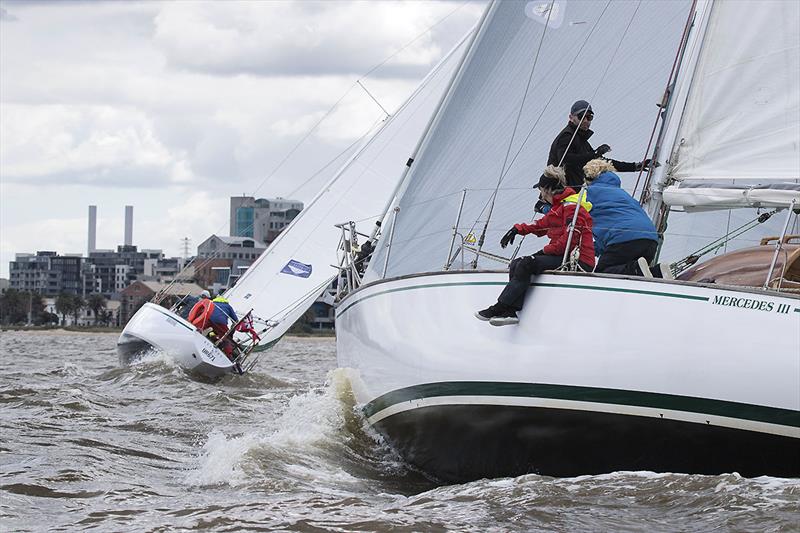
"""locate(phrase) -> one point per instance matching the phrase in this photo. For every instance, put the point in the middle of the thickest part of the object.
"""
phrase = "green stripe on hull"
(166, 314)
(550, 285)
(742, 411)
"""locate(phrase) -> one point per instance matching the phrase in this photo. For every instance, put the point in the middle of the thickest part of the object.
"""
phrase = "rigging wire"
(514, 130)
(164, 291)
(550, 99)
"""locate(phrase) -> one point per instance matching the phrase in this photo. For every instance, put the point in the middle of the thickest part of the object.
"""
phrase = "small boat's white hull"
(155, 327)
(603, 373)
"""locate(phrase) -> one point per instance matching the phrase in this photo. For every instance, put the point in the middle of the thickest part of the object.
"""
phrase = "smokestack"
(128, 225)
(92, 240)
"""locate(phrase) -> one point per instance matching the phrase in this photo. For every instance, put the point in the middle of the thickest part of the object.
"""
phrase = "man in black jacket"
(571, 148)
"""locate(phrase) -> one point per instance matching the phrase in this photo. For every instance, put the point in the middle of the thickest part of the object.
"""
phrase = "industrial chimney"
(92, 238)
(128, 225)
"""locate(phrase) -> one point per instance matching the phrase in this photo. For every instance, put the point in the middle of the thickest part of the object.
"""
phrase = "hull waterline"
(602, 374)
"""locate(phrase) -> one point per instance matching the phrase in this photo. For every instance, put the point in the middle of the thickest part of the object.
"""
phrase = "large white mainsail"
(738, 143)
(286, 279)
(528, 64)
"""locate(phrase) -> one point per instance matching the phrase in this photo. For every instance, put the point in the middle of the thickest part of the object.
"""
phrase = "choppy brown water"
(86, 444)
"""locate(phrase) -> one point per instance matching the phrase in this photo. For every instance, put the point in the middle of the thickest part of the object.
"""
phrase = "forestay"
(496, 127)
(286, 279)
(738, 144)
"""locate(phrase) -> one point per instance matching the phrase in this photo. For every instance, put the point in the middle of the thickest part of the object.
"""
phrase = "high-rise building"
(106, 263)
(261, 219)
(47, 273)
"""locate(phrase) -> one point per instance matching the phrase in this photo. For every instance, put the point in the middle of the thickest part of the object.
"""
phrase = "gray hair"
(595, 167)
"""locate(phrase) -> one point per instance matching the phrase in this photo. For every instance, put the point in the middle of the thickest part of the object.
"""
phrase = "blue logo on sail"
(296, 268)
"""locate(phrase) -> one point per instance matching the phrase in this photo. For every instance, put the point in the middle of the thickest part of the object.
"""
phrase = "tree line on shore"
(22, 307)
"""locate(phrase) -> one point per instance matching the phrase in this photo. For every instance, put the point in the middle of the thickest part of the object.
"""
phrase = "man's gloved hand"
(644, 165)
(542, 207)
(601, 150)
(508, 238)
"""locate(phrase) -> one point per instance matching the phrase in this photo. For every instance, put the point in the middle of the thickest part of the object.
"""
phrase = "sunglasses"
(587, 116)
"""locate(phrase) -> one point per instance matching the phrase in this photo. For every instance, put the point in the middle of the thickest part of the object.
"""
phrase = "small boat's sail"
(738, 143)
(284, 282)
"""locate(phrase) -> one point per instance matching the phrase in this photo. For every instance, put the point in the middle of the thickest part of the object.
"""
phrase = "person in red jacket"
(555, 225)
(200, 315)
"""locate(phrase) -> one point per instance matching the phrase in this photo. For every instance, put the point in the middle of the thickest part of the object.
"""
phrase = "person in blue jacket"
(222, 312)
(624, 236)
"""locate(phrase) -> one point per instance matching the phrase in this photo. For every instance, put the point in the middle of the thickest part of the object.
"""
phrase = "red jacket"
(555, 223)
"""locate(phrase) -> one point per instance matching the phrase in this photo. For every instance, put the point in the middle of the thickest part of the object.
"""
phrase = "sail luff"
(301, 260)
(681, 88)
(393, 209)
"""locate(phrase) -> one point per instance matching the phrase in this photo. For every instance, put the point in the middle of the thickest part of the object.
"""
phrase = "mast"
(652, 198)
(392, 207)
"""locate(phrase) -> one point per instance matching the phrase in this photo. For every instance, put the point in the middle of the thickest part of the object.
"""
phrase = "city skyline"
(174, 107)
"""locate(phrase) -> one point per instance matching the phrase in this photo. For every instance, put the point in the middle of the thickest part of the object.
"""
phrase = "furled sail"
(490, 140)
(286, 279)
(738, 143)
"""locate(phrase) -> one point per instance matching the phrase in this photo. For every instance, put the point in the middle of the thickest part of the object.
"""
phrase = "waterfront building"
(261, 219)
(47, 273)
(221, 260)
(139, 292)
(117, 269)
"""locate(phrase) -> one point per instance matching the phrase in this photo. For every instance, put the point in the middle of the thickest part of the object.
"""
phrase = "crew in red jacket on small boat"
(555, 225)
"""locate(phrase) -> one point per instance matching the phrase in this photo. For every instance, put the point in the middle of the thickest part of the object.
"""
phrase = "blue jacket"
(617, 216)
(222, 311)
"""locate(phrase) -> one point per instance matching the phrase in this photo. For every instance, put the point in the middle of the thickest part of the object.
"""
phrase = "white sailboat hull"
(155, 327)
(588, 382)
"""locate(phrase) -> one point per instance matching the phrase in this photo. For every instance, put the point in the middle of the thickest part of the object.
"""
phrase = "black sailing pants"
(621, 258)
(520, 271)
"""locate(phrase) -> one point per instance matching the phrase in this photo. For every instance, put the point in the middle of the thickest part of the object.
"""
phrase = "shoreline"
(116, 330)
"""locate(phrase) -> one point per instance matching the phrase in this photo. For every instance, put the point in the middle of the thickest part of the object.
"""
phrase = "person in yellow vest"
(555, 225)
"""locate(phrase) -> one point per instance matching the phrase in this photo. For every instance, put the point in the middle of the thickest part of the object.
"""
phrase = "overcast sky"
(173, 107)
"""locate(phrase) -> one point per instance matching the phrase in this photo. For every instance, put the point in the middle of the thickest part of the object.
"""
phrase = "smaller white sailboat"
(297, 267)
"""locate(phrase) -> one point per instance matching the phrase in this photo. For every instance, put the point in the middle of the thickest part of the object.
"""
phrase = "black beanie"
(548, 182)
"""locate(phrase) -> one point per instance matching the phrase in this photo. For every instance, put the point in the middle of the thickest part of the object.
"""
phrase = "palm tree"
(64, 306)
(97, 303)
(78, 303)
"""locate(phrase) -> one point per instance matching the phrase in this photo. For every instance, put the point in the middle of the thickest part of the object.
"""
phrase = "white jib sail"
(286, 279)
(739, 137)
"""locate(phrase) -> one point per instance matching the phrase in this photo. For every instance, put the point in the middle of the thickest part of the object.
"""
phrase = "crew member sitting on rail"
(219, 322)
(555, 224)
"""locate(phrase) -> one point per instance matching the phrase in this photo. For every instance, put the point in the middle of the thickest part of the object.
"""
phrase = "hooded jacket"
(555, 223)
(617, 216)
(580, 152)
(222, 311)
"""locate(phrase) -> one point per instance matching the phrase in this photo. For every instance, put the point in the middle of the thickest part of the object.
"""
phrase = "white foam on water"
(310, 423)
(153, 358)
(221, 461)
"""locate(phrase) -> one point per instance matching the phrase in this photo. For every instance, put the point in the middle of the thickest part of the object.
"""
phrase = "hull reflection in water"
(582, 385)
